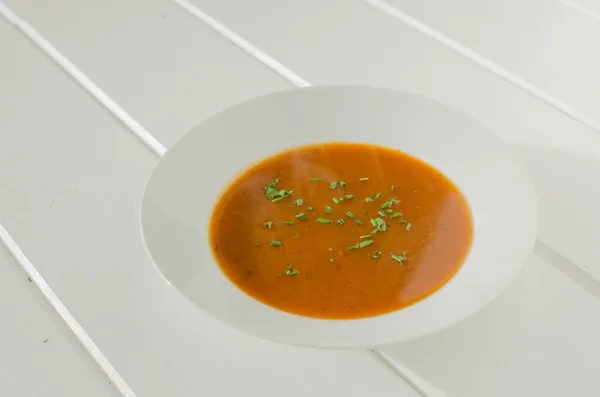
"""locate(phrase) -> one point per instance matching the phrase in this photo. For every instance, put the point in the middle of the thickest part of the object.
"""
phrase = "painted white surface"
(569, 216)
(40, 356)
(163, 67)
(133, 57)
(544, 41)
(61, 312)
(589, 8)
(74, 173)
(527, 343)
(483, 61)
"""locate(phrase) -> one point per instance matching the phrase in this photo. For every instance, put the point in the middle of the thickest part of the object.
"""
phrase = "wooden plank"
(543, 41)
(161, 66)
(40, 357)
(540, 338)
(589, 8)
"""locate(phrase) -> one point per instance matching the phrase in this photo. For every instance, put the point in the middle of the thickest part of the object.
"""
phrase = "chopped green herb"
(276, 243)
(366, 236)
(340, 221)
(402, 221)
(323, 220)
(268, 225)
(352, 247)
(270, 192)
(330, 249)
(365, 243)
(396, 215)
(374, 222)
(398, 258)
(336, 200)
(343, 184)
(388, 211)
(292, 206)
(358, 222)
(332, 185)
(310, 208)
(330, 260)
(340, 199)
(409, 226)
(350, 215)
(282, 195)
(404, 254)
(300, 216)
(296, 236)
(291, 271)
(328, 210)
(376, 254)
(393, 187)
(369, 200)
(271, 189)
(376, 196)
(381, 213)
(395, 200)
(299, 202)
(349, 196)
(315, 179)
(363, 179)
(386, 204)
(373, 232)
(288, 222)
(380, 224)
(258, 245)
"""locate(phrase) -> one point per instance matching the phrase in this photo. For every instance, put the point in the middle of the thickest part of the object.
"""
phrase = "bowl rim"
(351, 322)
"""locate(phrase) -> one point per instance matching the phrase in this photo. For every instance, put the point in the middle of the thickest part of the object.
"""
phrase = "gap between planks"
(88, 344)
(85, 82)
(484, 62)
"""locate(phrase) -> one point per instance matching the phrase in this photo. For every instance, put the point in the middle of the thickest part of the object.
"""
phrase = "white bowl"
(180, 195)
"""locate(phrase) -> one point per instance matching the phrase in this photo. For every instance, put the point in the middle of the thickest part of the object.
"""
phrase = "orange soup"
(341, 231)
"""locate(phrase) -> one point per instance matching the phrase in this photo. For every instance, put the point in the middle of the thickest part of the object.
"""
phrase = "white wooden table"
(92, 92)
